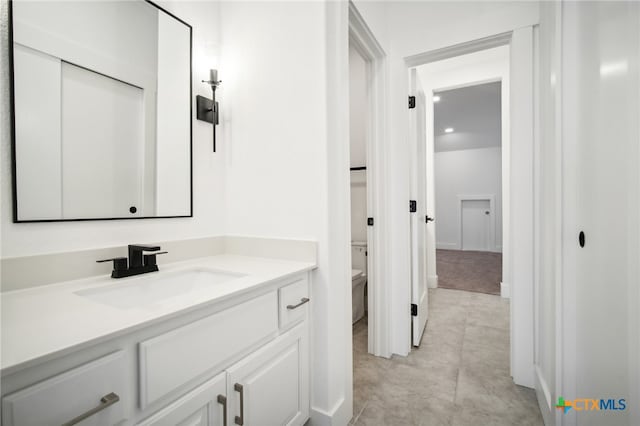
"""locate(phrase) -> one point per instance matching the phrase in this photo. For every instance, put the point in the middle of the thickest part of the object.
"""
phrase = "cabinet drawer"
(292, 305)
(172, 359)
(64, 397)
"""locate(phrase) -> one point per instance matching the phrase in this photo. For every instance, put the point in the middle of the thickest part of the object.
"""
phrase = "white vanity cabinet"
(268, 387)
(240, 361)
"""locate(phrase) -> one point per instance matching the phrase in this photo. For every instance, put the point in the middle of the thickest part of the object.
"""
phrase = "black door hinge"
(413, 206)
(428, 219)
(412, 102)
(414, 310)
(370, 221)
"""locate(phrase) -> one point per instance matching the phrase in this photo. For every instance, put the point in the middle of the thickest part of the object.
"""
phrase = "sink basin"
(156, 288)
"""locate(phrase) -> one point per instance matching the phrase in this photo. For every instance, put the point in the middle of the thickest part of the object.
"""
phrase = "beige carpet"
(477, 271)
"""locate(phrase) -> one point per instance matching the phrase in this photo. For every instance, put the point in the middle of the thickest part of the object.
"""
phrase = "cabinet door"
(203, 406)
(271, 386)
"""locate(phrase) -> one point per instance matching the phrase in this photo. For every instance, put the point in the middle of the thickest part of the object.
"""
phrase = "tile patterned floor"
(459, 375)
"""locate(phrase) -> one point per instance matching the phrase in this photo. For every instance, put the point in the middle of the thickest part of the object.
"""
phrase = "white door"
(419, 293)
(476, 225)
(203, 406)
(270, 386)
(601, 125)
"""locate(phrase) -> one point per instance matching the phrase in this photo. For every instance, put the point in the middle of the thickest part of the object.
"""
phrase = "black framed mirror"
(101, 111)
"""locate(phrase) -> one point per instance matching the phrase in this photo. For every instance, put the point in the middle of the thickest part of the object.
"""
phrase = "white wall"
(208, 169)
(288, 160)
(358, 108)
(376, 15)
(466, 172)
(276, 157)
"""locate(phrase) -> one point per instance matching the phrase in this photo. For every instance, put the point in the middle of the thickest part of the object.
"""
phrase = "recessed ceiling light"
(436, 98)
(448, 130)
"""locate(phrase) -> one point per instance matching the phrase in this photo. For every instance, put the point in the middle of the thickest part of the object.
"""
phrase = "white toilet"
(358, 278)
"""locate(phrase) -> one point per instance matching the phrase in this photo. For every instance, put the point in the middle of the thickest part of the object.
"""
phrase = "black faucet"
(138, 263)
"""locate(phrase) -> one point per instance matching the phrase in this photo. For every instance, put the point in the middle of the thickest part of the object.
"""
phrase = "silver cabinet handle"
(238, 388)
(223, 400)
(105, 402)
(302, 302)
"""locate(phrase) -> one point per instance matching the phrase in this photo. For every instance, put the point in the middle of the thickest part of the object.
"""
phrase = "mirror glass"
(102, 111)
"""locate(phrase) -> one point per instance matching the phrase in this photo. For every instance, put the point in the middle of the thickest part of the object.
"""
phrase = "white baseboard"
(447, 246)
(432, 281)
(340, 414)
(319, 417)
(544, 397)
(505, 290)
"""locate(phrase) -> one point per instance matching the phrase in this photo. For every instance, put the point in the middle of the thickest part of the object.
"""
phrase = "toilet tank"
(359, 256)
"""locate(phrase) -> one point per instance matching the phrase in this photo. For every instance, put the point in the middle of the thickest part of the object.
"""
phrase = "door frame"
(520, 220)
(363, 40)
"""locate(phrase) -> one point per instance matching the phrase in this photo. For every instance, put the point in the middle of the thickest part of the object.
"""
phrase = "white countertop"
(42, 321)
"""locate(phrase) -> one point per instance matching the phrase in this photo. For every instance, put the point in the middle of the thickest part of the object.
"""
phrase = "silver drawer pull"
(223, 400)
(302, 302)
(105, 402)
(240, 419)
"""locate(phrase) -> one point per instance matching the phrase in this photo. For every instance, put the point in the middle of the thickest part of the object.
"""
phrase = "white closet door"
(476, 225)
(102, 173)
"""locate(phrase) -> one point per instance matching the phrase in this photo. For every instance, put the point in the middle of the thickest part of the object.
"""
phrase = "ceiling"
(474, 114)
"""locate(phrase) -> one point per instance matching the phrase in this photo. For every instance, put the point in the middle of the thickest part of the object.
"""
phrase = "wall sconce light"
(207, 109)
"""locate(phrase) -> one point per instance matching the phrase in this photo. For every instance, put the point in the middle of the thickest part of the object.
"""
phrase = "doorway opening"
(370, 293)
(358, 130)
(369, 248)
(459, 123)
(467, 158)
(515, 73)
